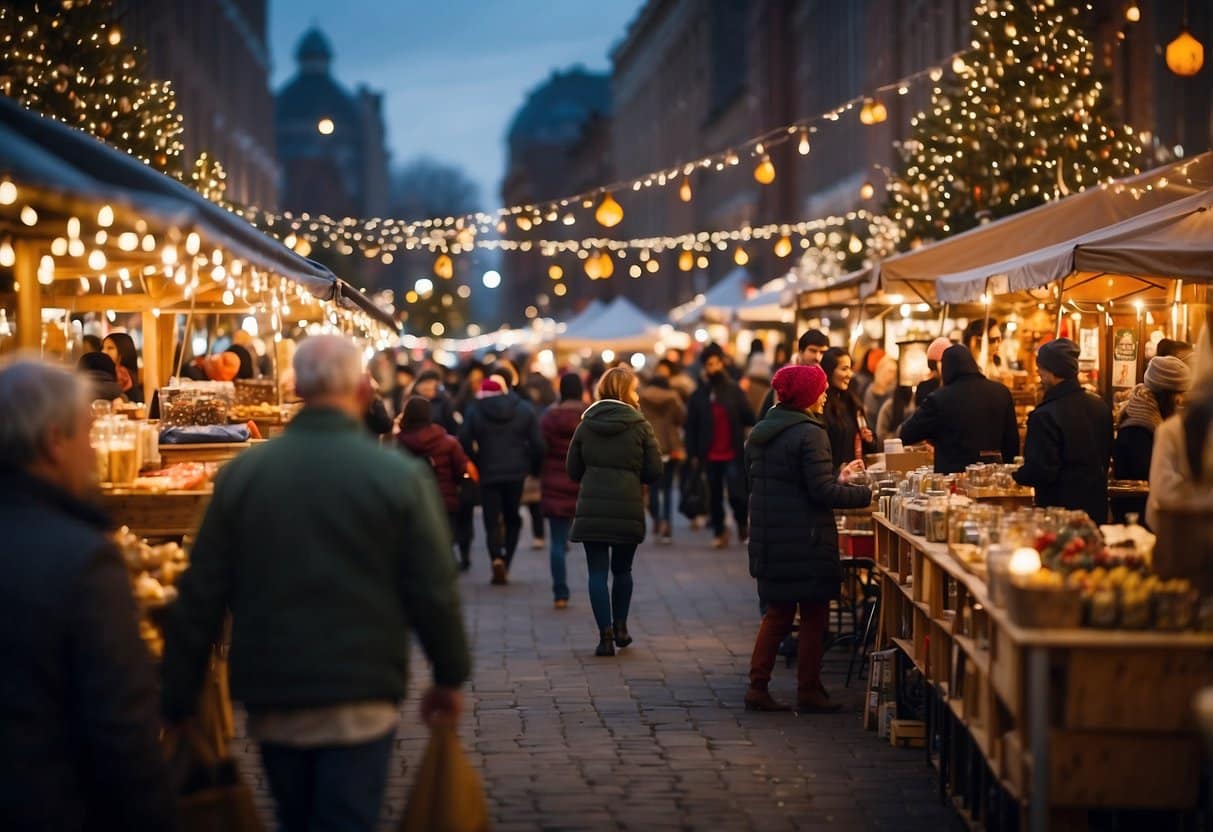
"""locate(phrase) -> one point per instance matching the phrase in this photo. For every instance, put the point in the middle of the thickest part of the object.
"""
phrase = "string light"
(610, 212)
(764, 173)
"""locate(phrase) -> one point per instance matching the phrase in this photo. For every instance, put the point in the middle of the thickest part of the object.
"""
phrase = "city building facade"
(695, 77)
(215, 54)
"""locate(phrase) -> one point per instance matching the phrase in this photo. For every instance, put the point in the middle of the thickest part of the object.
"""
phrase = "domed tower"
(323, 137)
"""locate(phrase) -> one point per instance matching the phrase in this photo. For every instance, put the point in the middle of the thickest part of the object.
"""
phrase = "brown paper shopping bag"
(447, 795)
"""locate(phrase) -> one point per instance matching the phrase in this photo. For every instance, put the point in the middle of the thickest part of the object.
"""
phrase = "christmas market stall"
(89, 230)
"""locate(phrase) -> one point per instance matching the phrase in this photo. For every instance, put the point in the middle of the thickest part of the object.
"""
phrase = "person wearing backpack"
(423, 438)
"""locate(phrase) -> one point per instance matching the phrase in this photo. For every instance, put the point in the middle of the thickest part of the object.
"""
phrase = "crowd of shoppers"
(606, 449)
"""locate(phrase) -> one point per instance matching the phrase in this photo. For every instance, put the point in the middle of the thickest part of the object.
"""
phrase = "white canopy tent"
(773, 303)
(1172, 241)
(1056, 223)
(620, 326)
(720, 302)
(591, 311)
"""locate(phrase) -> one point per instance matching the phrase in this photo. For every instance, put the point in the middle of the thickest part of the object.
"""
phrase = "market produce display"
(154, 570)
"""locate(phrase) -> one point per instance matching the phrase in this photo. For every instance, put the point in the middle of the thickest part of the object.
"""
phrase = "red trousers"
(776, 625)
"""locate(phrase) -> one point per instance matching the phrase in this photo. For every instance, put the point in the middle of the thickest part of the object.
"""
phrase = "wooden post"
(29, 296)
(152, 380)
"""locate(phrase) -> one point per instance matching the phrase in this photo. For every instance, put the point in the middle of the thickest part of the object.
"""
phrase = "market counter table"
(204, 452)
(156, 514)
(1066, 720)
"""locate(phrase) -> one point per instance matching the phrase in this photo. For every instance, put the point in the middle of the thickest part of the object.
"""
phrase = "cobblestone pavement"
(655, 738)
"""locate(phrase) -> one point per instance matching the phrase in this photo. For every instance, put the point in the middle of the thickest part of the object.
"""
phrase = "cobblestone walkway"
(655, 738)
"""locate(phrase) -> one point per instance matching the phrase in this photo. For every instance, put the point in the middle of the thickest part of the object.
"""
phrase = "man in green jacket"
(328, 551)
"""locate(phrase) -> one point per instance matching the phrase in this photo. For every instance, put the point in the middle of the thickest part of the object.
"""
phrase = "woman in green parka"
(613, 455)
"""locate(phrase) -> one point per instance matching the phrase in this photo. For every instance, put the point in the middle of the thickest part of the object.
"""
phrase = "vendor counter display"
(1060, 667)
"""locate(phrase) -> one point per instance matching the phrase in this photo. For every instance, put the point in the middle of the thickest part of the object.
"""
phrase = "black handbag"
(693, 491)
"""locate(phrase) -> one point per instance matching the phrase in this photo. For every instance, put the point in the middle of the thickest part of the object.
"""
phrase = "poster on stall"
(1088, 344)
(1124, 358)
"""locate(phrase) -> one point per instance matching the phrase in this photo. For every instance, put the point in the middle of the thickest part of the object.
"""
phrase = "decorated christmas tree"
(1022, 119)
(68, 59)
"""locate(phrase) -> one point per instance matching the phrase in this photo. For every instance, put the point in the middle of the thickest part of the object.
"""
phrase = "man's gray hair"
(34, 398)
(327, 365)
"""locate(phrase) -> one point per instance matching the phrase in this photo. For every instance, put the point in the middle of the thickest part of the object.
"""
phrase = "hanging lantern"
(684, 190)
(555, 272)
(606, 265)
(873, 111)
(444, 267)
(783, 246)
(1185, 54)
(740, 257)
(610, 212)
(686, 261)
(764, 174)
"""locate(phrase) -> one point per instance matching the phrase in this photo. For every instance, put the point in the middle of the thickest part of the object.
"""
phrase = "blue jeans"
(558, 531)
(661, 507)
(333, 787)
(615, 558)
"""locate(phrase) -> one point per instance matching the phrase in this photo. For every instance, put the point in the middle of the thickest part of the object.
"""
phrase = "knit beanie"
(937, 348)
(571, 388)
(99, 363)
(417, 413)
(799, 387)
(1059, 357)
(1166, 372)
(490, 387)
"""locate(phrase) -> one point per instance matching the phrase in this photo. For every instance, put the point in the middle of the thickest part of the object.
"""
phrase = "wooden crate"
(167, 514)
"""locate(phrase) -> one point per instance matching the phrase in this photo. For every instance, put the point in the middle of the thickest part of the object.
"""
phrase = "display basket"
(253, 391)
(1037, 607)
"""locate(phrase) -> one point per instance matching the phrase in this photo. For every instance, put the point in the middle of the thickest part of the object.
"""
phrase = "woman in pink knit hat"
(793, 544)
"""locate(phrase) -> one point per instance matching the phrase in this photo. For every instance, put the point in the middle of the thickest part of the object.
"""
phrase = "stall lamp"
(1024, 561)
(1185, 54)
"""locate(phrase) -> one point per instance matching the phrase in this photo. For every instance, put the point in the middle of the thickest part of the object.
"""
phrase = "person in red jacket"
(422, 437)
(559, 492)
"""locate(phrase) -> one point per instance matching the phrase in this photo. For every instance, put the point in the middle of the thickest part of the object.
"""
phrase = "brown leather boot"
(816, 702)
(761, 700)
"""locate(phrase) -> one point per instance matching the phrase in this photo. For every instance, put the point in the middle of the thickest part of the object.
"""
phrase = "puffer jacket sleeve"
(467, 433)
(535, 440)
(652, 465)
(574, 463)
(817, 468)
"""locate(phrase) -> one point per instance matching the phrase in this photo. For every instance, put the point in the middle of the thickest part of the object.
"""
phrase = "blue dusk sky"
(454, 72)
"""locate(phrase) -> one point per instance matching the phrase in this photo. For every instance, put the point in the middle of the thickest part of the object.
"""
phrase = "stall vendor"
(1069, 439)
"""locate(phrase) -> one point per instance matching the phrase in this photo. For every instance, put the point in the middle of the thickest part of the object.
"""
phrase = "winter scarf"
(1141, 410)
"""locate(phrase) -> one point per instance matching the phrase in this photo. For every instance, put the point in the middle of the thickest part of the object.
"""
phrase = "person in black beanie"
(100, 370)
(1069, 441)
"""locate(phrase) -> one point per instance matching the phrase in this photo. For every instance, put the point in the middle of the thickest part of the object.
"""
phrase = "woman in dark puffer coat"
(793, 543)
(423, 438)
(559, 492)
(613, 454)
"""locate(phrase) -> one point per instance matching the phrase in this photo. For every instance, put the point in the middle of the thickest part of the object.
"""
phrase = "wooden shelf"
(1105, 708)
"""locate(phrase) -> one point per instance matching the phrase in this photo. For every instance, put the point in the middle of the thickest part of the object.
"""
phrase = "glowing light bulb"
(29, 216)
(555, 272)
(804, 147)
(740, 257)
(444, 267)
(96, 259)
(686, 261)
(783, 246)
(609, 212)
(867, 190)
(8, 193)
(325, 126)
(1133, 13)
(684, 190)
(764, 173)
(7, 256)
(46, 270)
(491, 279)
(105, 216)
